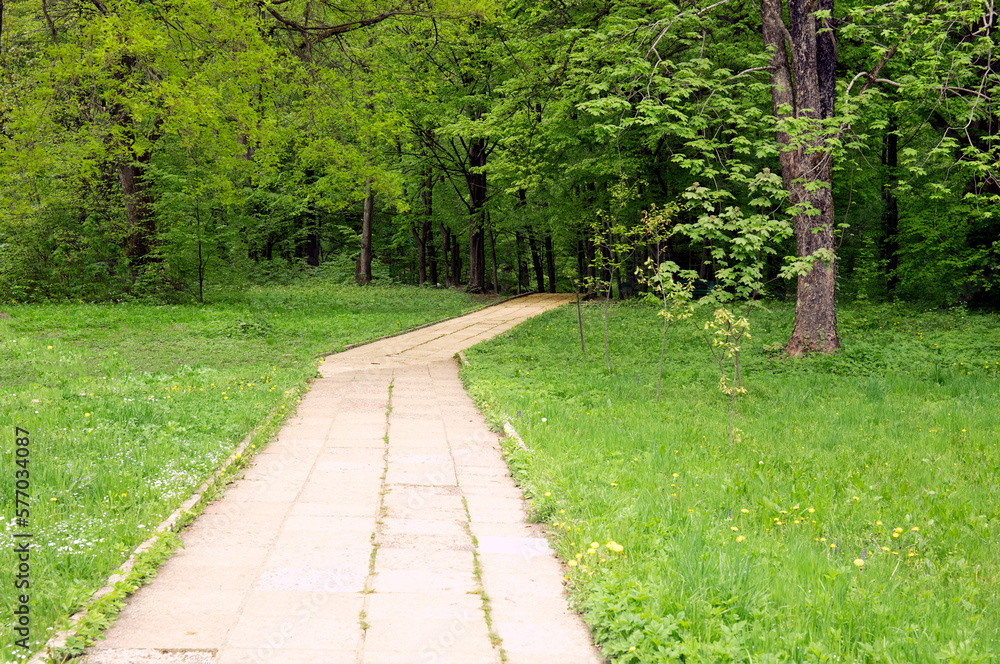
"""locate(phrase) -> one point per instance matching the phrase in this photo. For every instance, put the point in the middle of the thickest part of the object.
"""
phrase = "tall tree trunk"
(476, 179)
(446, 255)
(432, 264)
(456, 261)
(419, 238)
(363, 272)
(807, 97)
(536, 259)
(522, 269)
(139, 217)
(550, 262)
(493, 253)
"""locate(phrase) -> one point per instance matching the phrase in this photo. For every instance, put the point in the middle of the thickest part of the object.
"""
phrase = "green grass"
(130, 407)
(856, 519)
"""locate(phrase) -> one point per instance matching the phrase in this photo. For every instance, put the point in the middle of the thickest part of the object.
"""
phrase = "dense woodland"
(794, 148)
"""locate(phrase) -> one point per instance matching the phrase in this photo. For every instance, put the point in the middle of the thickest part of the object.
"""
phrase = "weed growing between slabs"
(130, 407)
(856, 517)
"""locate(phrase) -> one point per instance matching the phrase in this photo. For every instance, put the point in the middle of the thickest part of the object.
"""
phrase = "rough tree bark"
(804, 88)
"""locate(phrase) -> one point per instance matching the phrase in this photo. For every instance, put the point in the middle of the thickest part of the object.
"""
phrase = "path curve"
(368, 532)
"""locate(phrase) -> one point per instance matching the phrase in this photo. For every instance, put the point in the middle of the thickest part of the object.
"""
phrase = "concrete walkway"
(369, 532)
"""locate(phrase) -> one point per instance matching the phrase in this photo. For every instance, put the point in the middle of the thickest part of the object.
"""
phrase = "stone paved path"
(354, 538)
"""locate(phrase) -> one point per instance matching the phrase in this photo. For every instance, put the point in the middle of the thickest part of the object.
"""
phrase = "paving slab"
(354, 537)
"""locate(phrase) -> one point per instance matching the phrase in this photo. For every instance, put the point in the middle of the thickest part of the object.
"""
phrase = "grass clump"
(131, 406)
(853, 518)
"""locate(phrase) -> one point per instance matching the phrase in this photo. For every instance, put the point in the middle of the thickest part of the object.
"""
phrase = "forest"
(788, 149)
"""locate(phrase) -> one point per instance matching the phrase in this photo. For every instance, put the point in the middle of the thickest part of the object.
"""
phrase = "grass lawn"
(855, 519)
(130, 407)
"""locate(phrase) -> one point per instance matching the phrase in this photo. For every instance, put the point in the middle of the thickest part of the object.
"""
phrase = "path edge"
(426, 325)
(191, 507)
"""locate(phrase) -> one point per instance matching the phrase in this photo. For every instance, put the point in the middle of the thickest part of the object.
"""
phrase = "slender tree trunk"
(807, 96)
(522, 269)
(363, 272)
(432, 264)
(456, 261)
(550, 261)
(476, 179)
(419, 238)
(536, 259)
(493, 254)
(446, 255)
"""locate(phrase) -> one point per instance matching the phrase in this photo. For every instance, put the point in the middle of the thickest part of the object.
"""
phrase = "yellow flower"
(548, 493)
(733, 528)
(740, 538)
(855, 498)
(86, 414)
(50, 347)
(859, 563)
(915, 528)
(594, 545)
(745, 511)
(579, 555)
(811, 510)
(878, 523)
(572, 563)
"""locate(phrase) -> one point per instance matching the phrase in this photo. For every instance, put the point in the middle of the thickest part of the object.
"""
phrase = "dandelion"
(811, 510)
(745, 511)
(915, 528)
(740, 538)
(572, 563)
(734, 528)
(878, 523)
(548, 493)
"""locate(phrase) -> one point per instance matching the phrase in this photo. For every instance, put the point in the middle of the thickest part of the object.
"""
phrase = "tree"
(803, 91)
